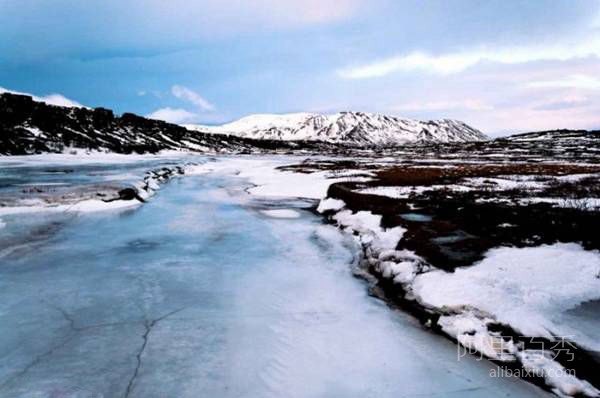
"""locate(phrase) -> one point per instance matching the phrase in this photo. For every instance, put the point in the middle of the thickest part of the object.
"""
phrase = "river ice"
(197, 294)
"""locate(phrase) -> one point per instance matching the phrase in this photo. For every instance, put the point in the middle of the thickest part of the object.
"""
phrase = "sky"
(502, 66)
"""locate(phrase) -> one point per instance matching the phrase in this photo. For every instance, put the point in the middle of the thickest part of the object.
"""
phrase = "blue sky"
(502, 66)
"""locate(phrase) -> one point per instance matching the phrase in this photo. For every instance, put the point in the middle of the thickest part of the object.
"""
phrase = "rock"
(129, 194)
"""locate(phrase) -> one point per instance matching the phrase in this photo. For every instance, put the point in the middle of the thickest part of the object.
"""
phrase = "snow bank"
(470, 329)
(367, 226)
(329, 204)
(379, 244)
(521, 287)
(562, 382)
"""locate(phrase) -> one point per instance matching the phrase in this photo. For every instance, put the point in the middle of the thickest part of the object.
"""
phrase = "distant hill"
(350, 128)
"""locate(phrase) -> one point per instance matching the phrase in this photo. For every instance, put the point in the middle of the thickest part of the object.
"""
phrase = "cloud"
(596, 21)
(573, 81)
(193, 97)
(203, 109)
(51, 99)
(239, 15)
(59, 100)
(524, 119)
(451, 63)
(567, 102)
(177, 116)
(469, 104)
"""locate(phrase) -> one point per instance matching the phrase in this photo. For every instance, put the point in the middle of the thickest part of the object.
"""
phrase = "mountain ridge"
(351, 128)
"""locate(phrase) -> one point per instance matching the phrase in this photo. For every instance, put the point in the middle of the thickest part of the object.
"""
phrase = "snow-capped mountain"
(351, 128)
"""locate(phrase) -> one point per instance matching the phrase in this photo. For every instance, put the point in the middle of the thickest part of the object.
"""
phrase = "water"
(198, 294)
(416, 217)
(585, 325)
(457, 236)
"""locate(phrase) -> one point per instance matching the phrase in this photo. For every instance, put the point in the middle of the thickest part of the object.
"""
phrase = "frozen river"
(199, 294)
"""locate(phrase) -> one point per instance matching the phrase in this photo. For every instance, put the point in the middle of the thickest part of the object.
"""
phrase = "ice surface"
(281, 213)
(193, 295)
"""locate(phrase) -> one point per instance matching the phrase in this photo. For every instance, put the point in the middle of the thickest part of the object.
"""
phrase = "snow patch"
(521, 287)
